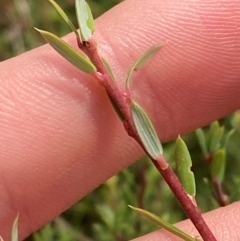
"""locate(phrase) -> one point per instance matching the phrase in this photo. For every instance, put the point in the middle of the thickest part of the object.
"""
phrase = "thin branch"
(122, 101)
(221, 196)
(188, 205)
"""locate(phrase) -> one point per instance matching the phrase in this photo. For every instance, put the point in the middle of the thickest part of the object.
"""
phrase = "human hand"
(60, 137)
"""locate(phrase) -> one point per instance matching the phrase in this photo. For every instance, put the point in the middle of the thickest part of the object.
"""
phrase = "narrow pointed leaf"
(64, 17)
(108, 68)
(235, 120)
(235, 195)
(228, 136)
(216, 139)
(107, 214)
(143, 60)
(76, 58)
(14, 233)
(90, 20)
(184, 164)
(202, 141)
(218, 164)
(85, 19)
(213, 128)
(146, 131)
(168, 226)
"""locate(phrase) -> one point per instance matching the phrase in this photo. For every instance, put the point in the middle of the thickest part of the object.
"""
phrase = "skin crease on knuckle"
(53, 128)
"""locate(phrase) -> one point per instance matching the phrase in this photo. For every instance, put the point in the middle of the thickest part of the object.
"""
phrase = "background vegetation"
(104, 214)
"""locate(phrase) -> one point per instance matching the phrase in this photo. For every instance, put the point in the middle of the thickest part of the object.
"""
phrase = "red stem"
(188, 205)
(222, 197)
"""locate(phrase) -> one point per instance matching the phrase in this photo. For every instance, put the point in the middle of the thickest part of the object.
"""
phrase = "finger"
(59, 136)
(224, 222)
(194, 78)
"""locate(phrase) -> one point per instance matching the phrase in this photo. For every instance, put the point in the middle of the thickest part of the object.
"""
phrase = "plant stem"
(221, 196)
(188, 205)
(122, 100)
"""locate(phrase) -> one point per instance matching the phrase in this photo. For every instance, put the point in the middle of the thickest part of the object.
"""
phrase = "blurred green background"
(104, 215)
(18, 17)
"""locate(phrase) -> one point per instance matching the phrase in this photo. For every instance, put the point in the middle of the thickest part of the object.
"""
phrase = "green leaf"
(202, 141)
(64, 17)
(184, 164)
(90, 20)
(85, 19)
(213, 128)
(141, 61)
(168, 226)
(216, 139)
(146, 131)
(108, 68)
(107, 215)
(78, 59)
(218, 164)
(46, 233)
(14, 233)
(228, 136)
(235, 195)
(235, 120)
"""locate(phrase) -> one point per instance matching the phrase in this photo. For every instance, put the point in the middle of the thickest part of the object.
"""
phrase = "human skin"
(60, 137)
